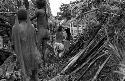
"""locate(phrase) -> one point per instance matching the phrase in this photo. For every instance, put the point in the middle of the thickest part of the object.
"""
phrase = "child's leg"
(23, 72)
(39, 41)
(34, 76)
(43, 51)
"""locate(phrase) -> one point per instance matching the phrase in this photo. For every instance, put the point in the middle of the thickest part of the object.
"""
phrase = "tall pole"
(77, 29)
(82, 26)
(71, 25)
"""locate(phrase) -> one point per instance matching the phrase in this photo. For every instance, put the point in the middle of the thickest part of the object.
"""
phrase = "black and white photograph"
(62, 40)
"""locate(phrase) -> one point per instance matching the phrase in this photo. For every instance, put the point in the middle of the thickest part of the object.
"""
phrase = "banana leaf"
(81, 60)
(91, 59)
(114, 52)
(92, 47)
(100, 68)
(81, 42)
(90, 66)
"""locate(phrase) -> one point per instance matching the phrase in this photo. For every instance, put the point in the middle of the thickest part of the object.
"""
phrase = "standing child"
(23, 37)
(58, 45)
(42, 26)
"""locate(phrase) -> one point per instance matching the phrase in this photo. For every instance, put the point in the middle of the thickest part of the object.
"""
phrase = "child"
(59, 35)
(58, 45)
(58, 49)
(23, 37)
(42, 26)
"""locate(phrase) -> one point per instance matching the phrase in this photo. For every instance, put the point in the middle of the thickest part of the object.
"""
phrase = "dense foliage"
(110, 16)
(98, 53)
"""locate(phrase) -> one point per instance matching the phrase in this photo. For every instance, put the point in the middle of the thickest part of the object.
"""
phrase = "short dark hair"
(40, 4)
(22, 14)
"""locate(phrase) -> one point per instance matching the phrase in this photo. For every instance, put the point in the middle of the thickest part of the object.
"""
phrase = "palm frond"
(115, 50)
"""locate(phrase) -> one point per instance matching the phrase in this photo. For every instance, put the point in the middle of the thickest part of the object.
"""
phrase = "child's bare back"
(41, 18)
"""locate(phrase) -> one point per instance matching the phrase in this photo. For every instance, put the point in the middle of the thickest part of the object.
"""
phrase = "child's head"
(22, 15)
(40, 4)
